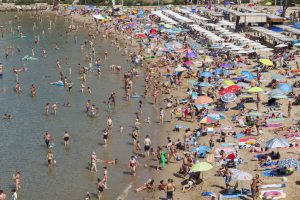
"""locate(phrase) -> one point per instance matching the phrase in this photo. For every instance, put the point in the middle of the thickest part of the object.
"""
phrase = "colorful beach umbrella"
(207, 120)
(190, 55)
(266, 62)
(247, 75)
(189, 62)
(228, 97)
(287, 163)
(255, 90)
(204, 100)
(201, 167)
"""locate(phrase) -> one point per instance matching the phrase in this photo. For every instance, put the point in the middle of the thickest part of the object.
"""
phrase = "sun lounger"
(280, 185)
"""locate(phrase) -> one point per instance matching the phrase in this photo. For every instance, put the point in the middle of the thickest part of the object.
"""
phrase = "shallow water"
(21, 139)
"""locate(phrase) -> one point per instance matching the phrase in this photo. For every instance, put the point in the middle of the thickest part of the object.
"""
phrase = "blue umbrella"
(204, 84)
(206, 74)
(190, 55)
(218, 71)
(228, 97)
(286, 88)
(248, 75)
(288, 162)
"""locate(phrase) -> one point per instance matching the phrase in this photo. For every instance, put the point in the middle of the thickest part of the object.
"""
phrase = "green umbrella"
(201, 167)
(268, 3)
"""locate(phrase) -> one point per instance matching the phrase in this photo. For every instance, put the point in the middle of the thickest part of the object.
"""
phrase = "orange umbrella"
(204, 100)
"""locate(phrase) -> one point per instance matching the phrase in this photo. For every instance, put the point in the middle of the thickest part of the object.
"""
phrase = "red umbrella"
(230, 89)
(231, 156)
(153, 31)
(141, 35)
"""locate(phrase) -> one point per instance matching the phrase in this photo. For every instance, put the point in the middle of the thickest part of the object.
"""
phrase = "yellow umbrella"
(168, 25)
(266, 62)
(255, 89)
(228, 82)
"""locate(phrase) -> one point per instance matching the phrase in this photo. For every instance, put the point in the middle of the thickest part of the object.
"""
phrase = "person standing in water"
(109, 124)
(17, 180)
(132, 165)
(50, 157)
(47, 138)
(33, 90)
(105, 54)
(105, 177)
(54, 108)
(94, 161)
(47, 109)
(66, 138)
(100, 187)
(105, 136)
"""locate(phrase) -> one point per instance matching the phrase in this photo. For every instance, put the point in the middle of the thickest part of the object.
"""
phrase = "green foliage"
(178, 2)
(24, 2)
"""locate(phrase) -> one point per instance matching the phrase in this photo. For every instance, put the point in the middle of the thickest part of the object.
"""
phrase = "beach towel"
(227, 144)
(208, 194)
(240, 135)
(274, 125)
(272, 194)
(269, 173)
(279, 185)
(230, 196)
(181, 126)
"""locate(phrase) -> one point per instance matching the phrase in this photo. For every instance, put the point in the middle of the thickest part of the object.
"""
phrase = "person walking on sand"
(170, 188)
(147, 143)
(289, 108)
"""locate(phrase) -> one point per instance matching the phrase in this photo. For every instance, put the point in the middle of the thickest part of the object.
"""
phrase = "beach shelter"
(255, 90)
(266, 62)
(228, 97)
(204, 100)
(201, 167)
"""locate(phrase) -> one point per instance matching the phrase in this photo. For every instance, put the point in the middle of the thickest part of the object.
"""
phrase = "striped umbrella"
(228, 97)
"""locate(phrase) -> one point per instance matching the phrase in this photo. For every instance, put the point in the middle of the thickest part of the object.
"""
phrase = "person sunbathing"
(148, 185)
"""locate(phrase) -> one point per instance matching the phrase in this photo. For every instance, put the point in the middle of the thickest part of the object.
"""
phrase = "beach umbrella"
(279, 96)
(168, 26)
(247, 75)
(204, 100)
(288, 162)
(233, 89)
(266, 62)
(207, 120)
(228, 82)
(296, 45)
(153, 31)
(141, 35)
(206, 74)
(180, 69)
(189, 62)
(242, 176)
(226, 65)
(190, 55)
(297, 25)
(201, 167)
(228, 97)
(268, 4)
(278, 77)
(255, 90)
(277, 143)
(286, 88)
(281, 46)
(216, 116)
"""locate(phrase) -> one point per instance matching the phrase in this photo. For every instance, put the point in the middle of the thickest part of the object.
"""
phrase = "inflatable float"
(58, 83)
(25, 58)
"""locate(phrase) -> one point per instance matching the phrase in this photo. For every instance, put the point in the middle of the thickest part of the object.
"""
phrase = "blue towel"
(231, 196)
(240, 135)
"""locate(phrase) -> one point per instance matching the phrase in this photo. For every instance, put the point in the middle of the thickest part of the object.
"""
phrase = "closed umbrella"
(201, 167)
(228, 97)
(204, 100)
(255, 90)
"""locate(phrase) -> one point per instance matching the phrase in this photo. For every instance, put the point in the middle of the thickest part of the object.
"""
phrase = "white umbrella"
(180, 69)
(266, 49)
(242, 176)
(281, 45)
(277, 143)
